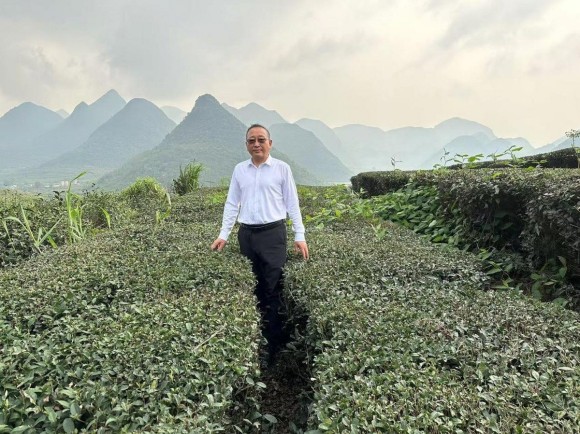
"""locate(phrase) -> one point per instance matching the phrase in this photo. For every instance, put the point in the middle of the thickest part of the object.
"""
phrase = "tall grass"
(74, 208)
(188, 179)
(37, 237)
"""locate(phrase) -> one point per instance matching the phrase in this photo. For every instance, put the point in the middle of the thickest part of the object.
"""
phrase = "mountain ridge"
(137, 127)
(209, 135)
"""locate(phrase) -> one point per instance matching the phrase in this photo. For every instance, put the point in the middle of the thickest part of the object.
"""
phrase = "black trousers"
(266, 247)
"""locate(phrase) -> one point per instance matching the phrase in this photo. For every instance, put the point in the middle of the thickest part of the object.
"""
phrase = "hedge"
(136, 330)
(536, 212)
(376, 183)
(407, 342)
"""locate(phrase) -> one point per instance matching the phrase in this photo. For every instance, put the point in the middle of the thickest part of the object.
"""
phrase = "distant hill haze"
(417, 147)
(210, 135)
(329, 138)
(255, 114)
(138, 127)
(25, 122)
(174, 113)
(139, 139)
(304, 148)
(74, 130)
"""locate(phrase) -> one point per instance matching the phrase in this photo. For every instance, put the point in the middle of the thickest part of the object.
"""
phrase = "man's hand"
(218, 244)
(301, 247)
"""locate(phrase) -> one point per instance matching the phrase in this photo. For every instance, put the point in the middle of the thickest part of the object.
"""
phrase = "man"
(262, 193)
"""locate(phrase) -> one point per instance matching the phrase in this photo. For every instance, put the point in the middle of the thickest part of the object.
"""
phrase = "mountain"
(210, 135)
(63, 113)
(23, 123)
(358, 140)
(174, 113)
(304, 148)
(138, 127)
(328, 138)
(255, 114)
(417, 147)
(565, 142)
(73, 131)
(455, 127)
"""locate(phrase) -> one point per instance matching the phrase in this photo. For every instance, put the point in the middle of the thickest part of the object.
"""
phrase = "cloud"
(321, 52)
(560, 57)
(491, 21)
(387, 63)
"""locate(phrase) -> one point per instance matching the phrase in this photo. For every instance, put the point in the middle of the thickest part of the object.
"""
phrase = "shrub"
(405, 341)
(144, 191)
(376, 183)
(22, 214)
(136, 330)
(148, 199)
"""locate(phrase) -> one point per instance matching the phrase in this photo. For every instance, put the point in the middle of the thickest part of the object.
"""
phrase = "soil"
(288, 393)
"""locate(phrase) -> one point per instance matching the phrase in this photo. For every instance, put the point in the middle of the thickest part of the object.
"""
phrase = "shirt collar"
(267, 162)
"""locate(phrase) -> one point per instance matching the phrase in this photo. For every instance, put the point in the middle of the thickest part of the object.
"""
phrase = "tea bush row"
(531, 216)
(138, 204)
(407, 342)
(536, 212)
(142, 329)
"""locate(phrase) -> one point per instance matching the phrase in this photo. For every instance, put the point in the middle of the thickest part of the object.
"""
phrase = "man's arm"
(290, 194)
(231, 210)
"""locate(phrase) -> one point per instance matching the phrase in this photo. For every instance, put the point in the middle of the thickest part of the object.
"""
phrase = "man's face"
(258, 143)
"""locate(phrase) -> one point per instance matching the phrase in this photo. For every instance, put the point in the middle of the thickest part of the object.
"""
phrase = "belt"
(263, 227)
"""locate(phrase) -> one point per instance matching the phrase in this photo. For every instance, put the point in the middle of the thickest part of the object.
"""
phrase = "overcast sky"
(513, 65)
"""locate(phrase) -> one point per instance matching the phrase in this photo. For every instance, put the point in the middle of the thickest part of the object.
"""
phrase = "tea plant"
(574, 134)
(37, 237)
(405, 340)
(148, 198)
(466, 160)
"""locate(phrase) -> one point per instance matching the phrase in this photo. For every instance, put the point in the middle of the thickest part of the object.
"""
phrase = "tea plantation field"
(139, 327)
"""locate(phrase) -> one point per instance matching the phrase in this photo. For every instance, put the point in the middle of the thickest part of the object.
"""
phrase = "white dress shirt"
(260, 195)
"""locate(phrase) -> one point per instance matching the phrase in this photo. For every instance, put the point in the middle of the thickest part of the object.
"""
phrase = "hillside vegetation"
(139, 327)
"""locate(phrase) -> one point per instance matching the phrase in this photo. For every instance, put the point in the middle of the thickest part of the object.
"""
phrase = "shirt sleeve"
(292, 205)
(231, 208)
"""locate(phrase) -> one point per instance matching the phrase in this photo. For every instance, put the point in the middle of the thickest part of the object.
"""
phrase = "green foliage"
(574, 134)
(418, 208)
(144, 190)
(562, 158)
(74, 208)
(24, 219)
(188, 179)
(405, 341)
(143, 329)
(550, 282)
(323, 206)
(136, 330)
(148, 198)
(376, 183)
(532, 214)
(161, 216)
(37, 238)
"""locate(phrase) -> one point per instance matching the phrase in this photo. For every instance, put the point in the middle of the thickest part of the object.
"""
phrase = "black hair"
(257, 126)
